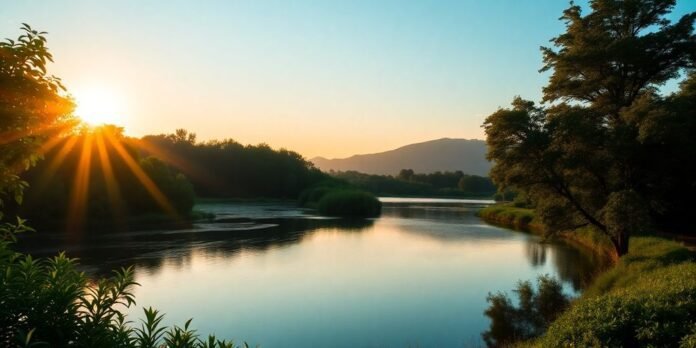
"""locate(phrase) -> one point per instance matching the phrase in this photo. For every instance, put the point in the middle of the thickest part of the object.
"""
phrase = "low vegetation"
(349, 203)
(342, 201)
(521, 219)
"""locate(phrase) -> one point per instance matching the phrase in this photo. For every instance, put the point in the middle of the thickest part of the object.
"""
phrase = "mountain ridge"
(444, 154)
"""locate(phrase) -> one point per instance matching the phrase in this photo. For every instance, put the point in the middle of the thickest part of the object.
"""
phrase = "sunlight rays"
(93, 152)
(112, 187)
(78, 197)
(145, 180)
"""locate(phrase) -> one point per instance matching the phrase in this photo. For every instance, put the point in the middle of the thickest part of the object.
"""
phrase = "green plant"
(349, 203)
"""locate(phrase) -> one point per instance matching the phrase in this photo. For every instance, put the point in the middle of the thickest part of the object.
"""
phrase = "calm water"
(272, 275)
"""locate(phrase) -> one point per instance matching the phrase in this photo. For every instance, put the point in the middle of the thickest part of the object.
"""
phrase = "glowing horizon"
(327, 79)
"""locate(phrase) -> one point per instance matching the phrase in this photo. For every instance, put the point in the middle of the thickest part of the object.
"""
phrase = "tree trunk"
(620, 242)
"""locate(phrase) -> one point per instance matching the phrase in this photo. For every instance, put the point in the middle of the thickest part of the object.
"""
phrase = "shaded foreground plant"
(48, 302)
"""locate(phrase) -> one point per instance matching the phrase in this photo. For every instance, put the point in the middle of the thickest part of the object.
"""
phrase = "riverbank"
(648, 298)
(523, 219)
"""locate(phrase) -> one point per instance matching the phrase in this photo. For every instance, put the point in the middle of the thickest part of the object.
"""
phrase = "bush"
(310, 197)
(349, 203)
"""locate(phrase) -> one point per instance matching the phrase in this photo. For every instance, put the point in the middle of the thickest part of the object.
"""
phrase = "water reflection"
(101, 252)
(417, 276)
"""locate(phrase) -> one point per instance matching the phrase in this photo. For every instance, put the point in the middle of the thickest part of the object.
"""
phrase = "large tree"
(597, 152)
(33, 107)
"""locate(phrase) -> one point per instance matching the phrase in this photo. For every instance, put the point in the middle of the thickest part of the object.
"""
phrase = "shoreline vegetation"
(646, 298)
(340, 201)
(523, 219)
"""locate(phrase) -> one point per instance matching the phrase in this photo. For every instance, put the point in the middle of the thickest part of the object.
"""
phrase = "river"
(275, 275)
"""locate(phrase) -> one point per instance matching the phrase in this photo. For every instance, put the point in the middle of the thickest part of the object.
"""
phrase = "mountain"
(445, 154)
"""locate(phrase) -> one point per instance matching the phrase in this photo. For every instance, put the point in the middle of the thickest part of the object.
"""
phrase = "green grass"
(523, 219)
(648, 300)
(506, 215)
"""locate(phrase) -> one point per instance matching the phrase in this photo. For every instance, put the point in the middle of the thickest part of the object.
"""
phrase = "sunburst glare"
(98, 106)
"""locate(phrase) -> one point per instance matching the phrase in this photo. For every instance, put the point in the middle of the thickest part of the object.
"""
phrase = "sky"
(320, 77)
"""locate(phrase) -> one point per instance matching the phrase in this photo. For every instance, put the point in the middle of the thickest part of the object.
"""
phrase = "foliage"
(413, 184)
(99, 173)
(606, 130)
(348, 203)
(31, 107)
(537, 309)
(227, 169)
(647, 300)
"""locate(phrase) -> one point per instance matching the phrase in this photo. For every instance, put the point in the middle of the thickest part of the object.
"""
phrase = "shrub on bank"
(349, 203)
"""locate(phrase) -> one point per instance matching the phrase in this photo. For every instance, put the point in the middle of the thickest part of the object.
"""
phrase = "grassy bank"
(522, 219)
(648, 298)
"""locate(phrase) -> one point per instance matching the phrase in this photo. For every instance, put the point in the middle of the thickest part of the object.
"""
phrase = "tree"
(591, 145)
(32, 108)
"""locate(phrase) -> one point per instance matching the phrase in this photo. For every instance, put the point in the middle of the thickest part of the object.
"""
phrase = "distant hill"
(445, 154)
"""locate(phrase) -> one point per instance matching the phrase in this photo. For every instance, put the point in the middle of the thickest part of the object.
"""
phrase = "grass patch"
(523, 219)
(506, 215)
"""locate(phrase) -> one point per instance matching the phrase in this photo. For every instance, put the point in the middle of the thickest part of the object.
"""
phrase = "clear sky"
(320, 77)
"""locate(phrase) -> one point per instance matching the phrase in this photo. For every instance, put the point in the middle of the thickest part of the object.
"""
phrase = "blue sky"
(327, 78)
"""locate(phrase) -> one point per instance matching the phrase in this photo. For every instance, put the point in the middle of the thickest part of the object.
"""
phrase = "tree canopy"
(606, 143)
(33, 108)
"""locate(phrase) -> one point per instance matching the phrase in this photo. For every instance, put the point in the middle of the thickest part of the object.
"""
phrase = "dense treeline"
(229, 169)
(97, 176)
(408, 183)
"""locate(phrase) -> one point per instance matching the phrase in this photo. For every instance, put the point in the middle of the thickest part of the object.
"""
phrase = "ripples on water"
(273, 275)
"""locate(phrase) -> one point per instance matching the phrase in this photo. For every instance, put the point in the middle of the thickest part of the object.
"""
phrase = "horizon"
(325, 80)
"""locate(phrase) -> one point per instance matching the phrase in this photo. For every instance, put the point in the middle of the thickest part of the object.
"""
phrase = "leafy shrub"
(537, 309)
(310, 197)
(349, 203)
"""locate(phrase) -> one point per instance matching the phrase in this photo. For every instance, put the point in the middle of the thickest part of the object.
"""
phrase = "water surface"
(273, 275)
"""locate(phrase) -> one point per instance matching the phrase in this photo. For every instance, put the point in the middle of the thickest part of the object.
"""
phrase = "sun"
(98, 106)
